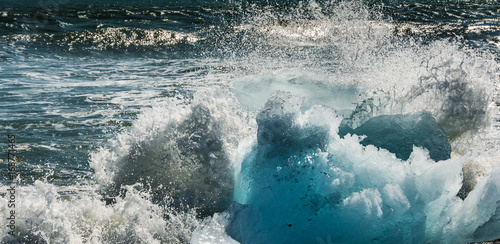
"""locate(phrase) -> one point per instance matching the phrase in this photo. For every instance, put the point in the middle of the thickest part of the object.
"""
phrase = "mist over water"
(252, 122)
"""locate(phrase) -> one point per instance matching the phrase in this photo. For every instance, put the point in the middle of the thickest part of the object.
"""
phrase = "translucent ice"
(300, 182)
(399, 133)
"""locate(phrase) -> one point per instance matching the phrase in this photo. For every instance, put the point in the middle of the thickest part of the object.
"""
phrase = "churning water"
(250, 121)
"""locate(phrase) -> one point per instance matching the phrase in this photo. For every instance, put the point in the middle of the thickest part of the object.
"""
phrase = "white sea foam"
(293, 178)
(44, 215)
(180, 150)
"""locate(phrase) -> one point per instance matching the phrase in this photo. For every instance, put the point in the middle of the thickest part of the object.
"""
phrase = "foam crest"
(265, 158)
(181, 151)
(44, 215)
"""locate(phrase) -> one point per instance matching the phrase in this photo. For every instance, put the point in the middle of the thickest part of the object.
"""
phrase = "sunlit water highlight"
(244, 123)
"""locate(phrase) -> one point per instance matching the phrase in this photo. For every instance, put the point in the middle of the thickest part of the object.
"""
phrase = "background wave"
(139, 121)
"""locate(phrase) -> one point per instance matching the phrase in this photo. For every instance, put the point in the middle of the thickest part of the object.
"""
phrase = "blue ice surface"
(399, 133)
(300, 182)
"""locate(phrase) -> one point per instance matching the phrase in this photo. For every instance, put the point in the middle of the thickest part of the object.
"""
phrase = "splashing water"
(315, 122)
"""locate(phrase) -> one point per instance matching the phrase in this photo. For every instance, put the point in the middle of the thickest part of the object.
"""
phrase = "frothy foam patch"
(294, 174)
(43, 215)
(181, 151)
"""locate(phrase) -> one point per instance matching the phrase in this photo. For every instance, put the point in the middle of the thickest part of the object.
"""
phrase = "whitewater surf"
(250, 122)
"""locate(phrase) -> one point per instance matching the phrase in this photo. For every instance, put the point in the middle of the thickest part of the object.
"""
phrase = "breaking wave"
(320, 122)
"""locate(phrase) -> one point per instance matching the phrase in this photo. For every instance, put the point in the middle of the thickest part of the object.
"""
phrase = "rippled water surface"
(147, 119)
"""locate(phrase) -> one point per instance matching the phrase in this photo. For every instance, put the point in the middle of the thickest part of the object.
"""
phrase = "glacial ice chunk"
(399, 133)
(300, 182)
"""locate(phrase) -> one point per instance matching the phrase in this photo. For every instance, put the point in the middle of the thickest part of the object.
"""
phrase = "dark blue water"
(148, 119)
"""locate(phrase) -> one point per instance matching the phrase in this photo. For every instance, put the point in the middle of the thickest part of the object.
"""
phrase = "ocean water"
(250, 121)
